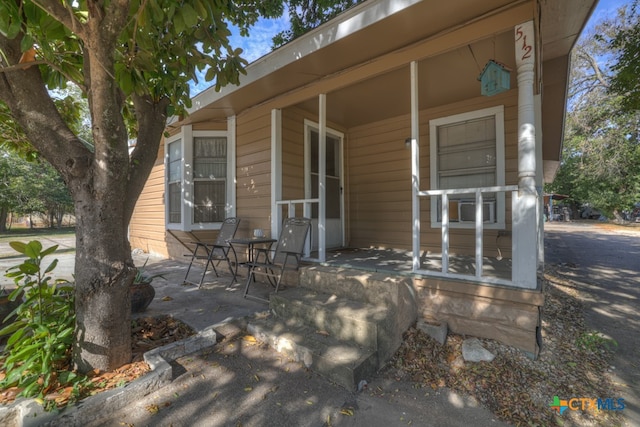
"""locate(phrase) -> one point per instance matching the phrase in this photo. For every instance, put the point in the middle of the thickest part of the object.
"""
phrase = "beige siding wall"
(379, 180)
(293, 153)
(147, 229)
(253, 160)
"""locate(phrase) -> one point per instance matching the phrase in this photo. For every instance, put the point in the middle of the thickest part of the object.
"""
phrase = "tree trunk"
(104, 182)
(59, 214)
(104, 271)
(4, 211)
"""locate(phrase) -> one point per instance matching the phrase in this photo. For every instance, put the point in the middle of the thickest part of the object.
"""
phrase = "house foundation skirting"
(511, 316)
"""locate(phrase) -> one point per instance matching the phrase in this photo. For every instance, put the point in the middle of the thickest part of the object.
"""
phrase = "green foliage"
(594, 341)
(601, 157)
(305, 15)
(70, 104)
(38, 351)
(32, 186)
(143, 277)
(626, 81)
(163, 46)
(601, 151)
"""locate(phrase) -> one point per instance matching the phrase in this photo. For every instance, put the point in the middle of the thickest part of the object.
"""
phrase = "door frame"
(311, 125)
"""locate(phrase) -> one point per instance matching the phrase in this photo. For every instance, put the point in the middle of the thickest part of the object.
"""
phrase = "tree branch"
(593, 64)
(26, 96)
(151, 117)
(62, 14)
(24, 66)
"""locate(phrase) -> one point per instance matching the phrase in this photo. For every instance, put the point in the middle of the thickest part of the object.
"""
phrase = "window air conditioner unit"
(467, 211)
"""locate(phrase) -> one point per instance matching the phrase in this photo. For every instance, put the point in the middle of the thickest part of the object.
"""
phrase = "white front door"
(334, 184)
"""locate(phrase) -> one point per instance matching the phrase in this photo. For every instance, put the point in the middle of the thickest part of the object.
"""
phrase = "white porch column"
(322, 176)
(415, 167)
(525, 230)
(539, 182)
(231, 165)
(276, 171)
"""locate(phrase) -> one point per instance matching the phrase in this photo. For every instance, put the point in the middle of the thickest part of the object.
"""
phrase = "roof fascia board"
(349, 22)
(448, 40)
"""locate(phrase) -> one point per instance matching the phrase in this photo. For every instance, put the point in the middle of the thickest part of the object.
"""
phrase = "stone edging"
(29, 413)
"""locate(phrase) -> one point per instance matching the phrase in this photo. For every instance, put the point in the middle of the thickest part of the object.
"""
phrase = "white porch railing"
(291, 206)
(479, 229)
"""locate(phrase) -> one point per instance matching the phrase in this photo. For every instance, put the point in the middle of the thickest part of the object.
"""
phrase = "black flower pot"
(141, 296)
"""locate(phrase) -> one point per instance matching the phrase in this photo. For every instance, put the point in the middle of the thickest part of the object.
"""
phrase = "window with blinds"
(174, 181)
(199, 179)
(209, 179)
(467, 151)
(467, 154)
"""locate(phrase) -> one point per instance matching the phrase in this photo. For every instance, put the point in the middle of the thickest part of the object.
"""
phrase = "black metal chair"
(216, 251)
(287, 255)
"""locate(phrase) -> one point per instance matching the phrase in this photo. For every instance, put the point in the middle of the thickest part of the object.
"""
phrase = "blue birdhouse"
(494, 79)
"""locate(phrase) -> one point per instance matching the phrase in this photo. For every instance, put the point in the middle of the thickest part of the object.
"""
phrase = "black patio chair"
(216, 251)
(287, 255)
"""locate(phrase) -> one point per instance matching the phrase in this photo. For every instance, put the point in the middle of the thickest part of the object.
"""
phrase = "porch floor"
(399, 262)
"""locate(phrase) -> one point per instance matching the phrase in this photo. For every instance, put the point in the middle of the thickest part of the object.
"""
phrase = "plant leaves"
(19, 247)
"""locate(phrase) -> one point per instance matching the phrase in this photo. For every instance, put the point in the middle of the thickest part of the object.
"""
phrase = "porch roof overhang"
(366, 49)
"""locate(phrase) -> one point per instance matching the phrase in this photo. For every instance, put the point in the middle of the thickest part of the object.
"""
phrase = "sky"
(259, 43)
(606, 9)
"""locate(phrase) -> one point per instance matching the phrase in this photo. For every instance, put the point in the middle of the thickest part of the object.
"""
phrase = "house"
(375, 126)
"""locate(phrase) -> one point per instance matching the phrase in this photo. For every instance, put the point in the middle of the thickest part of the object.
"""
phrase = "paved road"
(605, 263)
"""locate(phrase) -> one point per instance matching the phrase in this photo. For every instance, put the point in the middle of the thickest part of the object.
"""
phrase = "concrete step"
(395, 293)
(342, 362)
(341, 318)
(358, 285)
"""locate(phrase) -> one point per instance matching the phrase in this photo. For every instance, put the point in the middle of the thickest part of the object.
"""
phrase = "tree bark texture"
(104, 183)
(4, 211)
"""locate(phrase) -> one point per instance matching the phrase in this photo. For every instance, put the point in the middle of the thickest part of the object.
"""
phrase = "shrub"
(37, 357)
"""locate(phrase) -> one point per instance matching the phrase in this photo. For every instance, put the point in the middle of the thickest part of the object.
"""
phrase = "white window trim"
(187, 135)
(498, 113)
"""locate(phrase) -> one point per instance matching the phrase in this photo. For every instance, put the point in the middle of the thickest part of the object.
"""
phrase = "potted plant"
(141, 290)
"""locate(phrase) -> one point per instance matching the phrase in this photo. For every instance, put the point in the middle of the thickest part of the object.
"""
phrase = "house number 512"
(522, 33)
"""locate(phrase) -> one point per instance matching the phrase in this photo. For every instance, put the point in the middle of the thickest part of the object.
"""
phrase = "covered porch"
(400, 262)
(375, 125)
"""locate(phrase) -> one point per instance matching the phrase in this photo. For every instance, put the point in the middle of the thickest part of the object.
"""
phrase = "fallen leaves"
(515, 388)
(146, 334)
(152, 332)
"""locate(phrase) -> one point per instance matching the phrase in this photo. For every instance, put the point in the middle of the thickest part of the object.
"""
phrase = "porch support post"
(322, 176)
(276, 171)
(539, 183)
(525, 233)
(415, 167)
(231, 165)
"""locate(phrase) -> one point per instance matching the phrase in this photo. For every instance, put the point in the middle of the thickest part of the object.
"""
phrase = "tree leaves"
(305, 15)
(626, 80)
(161, 47)
(601, 152)
(10, 21)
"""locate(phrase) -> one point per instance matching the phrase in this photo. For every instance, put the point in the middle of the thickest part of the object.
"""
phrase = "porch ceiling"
(373, 36)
